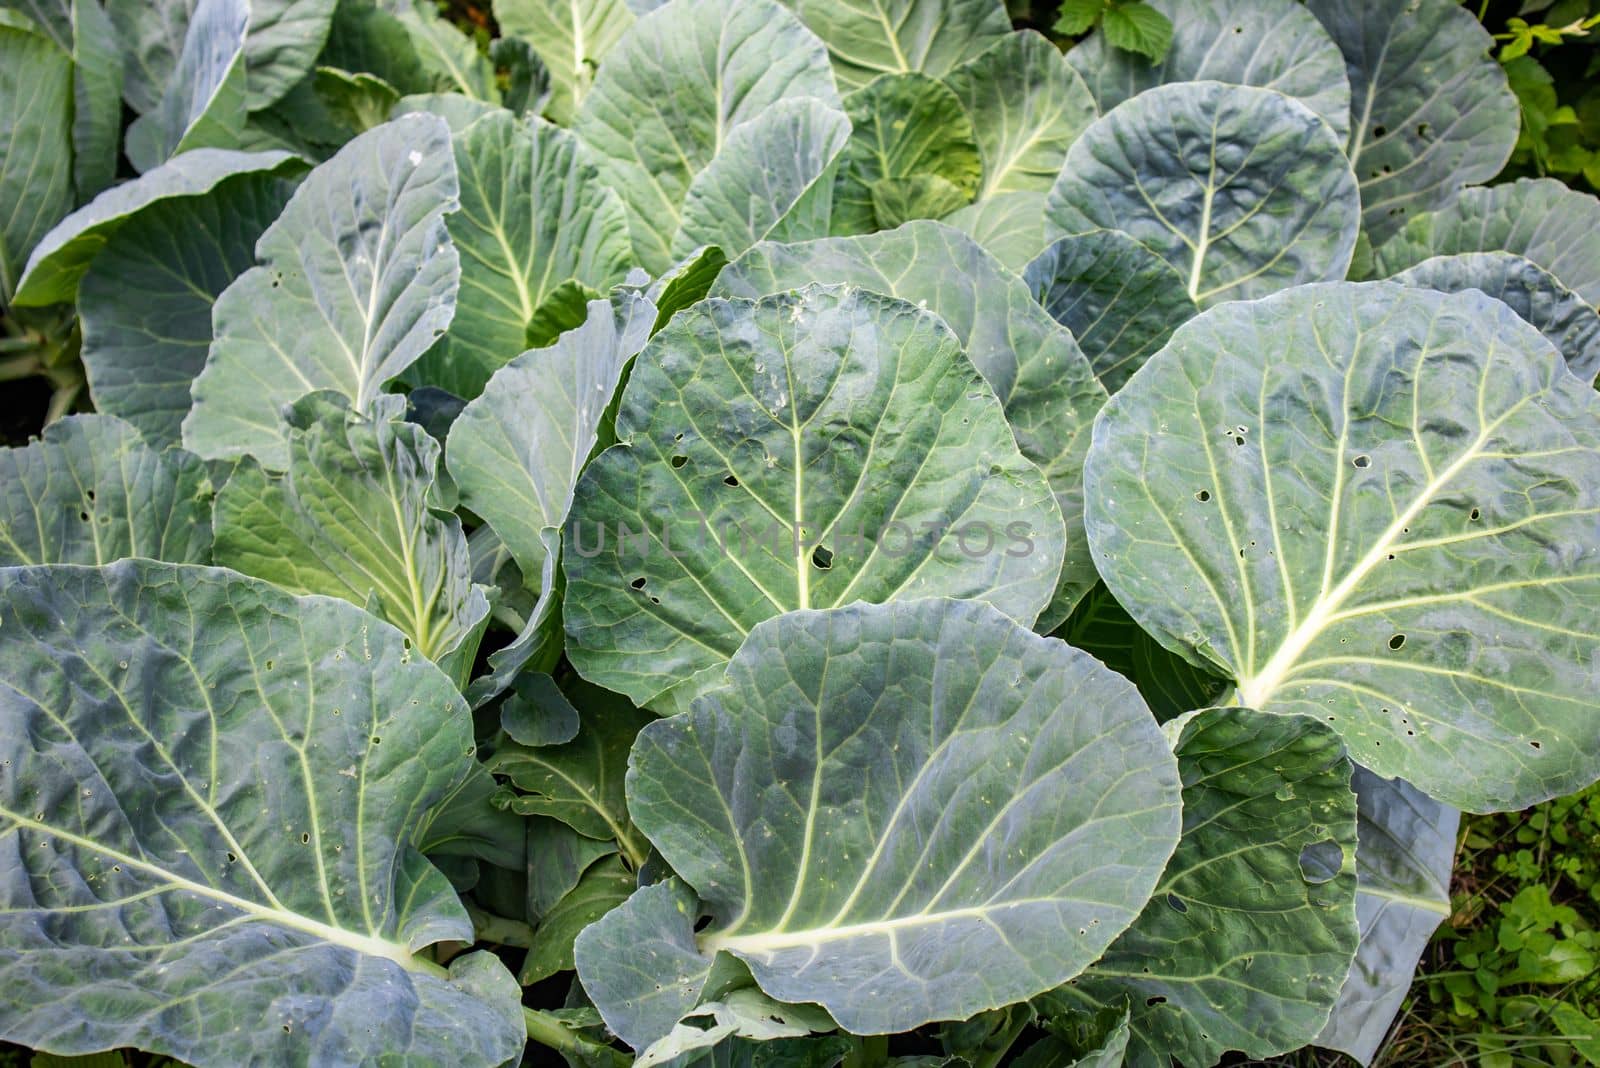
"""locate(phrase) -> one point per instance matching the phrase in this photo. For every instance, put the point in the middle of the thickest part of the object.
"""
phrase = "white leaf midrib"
(1257, 691)
(774, 941)
(367, 945)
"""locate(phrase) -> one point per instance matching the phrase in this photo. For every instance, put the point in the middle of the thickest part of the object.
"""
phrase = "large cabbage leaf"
(1273, 44)
(1539, 218)
(90, 491)
(903, 813)
(66, 252)
(515, 453)
(1563, 317)
(534, 220)
(1244, 191)
(1120, 300)
(208, 789)
(774, 177)
(1010, 226)
(145, 304)
(1027, 106)
(97, 72)
(1042, 380)
(870, 38)
(1246, 941)
(1374, 505)
(357, 280)
(1431, 110)
(674, 89)
(35, 146)
(804, 450)
(284, 39)
(357, 514)
(203, 106)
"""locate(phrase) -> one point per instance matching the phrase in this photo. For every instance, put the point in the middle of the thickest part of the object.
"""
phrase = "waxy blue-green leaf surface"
(97, 68)
(1009, 226)
(1406, 847)
(1539, 218)
(35, 146)
(144, 305)
(515, 452)
(641, 965)
(1374, 505)
(875, 812)
(209, 786)
(1430, 109)
(358, 515)
(1046, 386)
(284, 39)
(203, 105)
(1564, 318)
(150, 35)
(536, 713)
(66, 252)
(1271, 44)
(1027, 106)
(673, 90)
(805, 450)
(534, 215)
(870, 38)
(90, 491)
(357, 280)
(1243, 191)
(1120, 300)
(774, 177)
(1245, 942)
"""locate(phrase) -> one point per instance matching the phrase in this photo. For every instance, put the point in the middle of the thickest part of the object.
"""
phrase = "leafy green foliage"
(1162, 167)
(1129, 25)
(299, 907)
(1525, 913)
(91, 491)
(1271, 44)
(882, 872)
(343, 306)
(356, 514)
(787, 370)
(1267, 805)
(1046, 387)
(767, 479)
(1340, 620)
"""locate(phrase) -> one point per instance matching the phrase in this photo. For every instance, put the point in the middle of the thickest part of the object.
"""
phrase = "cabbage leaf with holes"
(804, 450)
(357, 279)
(774, 533)
(1044, 383)
(231, 880)
(1412, 560)
(1245, 943)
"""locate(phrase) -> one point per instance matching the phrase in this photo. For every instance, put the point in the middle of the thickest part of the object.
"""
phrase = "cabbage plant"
(739, 532)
